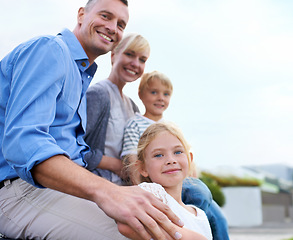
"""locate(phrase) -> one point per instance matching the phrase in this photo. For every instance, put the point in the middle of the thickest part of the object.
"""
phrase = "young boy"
(155, 90)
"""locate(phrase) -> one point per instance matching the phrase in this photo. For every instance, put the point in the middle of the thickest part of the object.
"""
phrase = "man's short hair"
(90, 2)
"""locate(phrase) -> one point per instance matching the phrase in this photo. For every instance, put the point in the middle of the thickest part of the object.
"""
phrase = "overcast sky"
(230, 61)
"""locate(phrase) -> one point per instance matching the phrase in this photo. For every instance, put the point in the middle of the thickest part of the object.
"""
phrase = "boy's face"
(156, 98)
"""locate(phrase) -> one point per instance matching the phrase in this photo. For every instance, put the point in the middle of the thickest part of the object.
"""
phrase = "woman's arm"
(98, 111)
(113, 164)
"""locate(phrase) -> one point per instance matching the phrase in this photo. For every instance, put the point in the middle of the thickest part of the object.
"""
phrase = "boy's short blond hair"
(148, 78)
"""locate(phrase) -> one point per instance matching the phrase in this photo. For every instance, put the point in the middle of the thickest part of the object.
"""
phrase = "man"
(45, 191)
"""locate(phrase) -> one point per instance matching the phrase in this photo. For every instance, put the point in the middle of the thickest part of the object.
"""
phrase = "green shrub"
(230, 181)
(215, 184)
(215, 189)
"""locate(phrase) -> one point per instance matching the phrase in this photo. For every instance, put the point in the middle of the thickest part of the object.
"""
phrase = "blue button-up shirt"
(43, 104)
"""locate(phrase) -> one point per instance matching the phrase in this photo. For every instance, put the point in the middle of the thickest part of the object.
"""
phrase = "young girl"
(164, 161)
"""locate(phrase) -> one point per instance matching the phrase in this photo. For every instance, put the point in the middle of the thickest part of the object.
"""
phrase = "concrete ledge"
(243, 207)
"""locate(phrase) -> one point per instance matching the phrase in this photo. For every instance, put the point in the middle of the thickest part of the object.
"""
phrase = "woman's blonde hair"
(134, 42)
(149, 135)
(148, 78)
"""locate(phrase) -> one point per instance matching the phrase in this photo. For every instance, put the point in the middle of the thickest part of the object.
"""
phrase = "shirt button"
(83, 64)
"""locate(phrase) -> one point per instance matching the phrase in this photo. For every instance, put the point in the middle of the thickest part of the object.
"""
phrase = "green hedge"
(215, 189)
(215, 184)
(230, 181)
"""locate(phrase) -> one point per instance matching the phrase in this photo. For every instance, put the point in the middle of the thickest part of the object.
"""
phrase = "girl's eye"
(158, 155)
(178, 152)
(166, 94)
(154, 92)
(142, 60)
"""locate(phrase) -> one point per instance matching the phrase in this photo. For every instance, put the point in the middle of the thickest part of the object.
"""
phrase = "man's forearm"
(62, 174)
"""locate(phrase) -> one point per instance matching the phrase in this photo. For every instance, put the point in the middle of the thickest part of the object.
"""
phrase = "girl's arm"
(187, 234)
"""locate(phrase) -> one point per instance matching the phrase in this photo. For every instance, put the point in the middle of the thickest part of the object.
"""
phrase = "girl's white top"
(197, 223)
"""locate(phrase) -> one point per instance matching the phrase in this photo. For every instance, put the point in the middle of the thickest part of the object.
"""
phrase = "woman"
(108, 109)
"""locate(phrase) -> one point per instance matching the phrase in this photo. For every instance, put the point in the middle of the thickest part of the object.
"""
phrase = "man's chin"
(103, 50)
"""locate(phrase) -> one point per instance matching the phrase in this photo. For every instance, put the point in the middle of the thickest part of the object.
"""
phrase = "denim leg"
(195, 192)
(218, 222)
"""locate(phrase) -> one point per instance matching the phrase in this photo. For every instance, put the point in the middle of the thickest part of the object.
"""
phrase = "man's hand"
(142, 211)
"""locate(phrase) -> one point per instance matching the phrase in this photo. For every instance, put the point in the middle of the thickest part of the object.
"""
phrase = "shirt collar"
(77, 52)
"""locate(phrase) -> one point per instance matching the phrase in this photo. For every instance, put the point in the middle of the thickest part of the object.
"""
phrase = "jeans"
(195, 192)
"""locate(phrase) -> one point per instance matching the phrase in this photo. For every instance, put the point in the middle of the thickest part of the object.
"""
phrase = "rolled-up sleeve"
(37, 73)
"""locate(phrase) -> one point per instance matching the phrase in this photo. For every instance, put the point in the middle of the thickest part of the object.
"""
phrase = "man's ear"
(80, 15)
